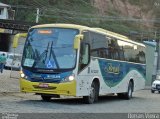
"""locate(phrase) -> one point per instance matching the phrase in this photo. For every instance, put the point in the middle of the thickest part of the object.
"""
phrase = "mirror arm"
(16, 38)
(77, 41)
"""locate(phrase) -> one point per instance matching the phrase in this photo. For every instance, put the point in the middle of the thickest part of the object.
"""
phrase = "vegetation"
(81, 12)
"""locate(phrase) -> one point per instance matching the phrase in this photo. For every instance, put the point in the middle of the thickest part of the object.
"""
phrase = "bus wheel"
(121, 95)
(46, 98)
(128, 94)
(94, 93)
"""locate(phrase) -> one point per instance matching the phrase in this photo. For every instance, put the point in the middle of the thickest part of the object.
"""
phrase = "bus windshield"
(50, 48)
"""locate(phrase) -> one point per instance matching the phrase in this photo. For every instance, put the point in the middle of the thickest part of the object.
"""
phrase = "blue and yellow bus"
(75, 60)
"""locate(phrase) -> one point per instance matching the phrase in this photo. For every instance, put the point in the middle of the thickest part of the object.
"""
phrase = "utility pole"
(156, 57)
(156, 71)
(37, 16)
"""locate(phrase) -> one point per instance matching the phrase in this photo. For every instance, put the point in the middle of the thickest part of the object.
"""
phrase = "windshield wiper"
(44, 54)
(54, 56)
(39, 58)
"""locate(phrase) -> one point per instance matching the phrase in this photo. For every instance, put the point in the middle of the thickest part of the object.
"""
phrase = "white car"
(13, 61)
(155, 86)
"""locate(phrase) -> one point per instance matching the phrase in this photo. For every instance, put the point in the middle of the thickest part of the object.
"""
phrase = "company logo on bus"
(112, 69)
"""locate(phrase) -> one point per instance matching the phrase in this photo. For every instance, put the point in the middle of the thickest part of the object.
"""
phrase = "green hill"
(122, 16)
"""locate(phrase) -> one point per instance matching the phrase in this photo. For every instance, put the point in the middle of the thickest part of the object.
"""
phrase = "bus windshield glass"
(50, 48)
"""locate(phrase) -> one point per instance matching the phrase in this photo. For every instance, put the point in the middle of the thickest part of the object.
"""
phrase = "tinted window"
(50, 48)
(132, 52)
(111, 48)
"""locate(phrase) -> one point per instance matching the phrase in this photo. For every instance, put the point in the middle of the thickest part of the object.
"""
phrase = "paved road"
(9, 81)
(12, 101)
(143, 101)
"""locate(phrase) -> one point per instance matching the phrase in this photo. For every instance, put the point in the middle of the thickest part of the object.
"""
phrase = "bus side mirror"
(17, 37)
(77, 41)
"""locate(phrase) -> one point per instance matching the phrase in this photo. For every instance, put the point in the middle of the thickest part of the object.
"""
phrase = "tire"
(46, 98)
(128, 94)
(158, 91)
(121, 95)
(152, 91)
(93, 96)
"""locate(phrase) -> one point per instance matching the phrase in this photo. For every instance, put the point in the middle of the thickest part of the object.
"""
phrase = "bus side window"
(115, 50)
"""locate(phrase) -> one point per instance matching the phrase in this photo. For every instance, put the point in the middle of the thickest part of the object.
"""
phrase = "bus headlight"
(69, 78)
(22, 75)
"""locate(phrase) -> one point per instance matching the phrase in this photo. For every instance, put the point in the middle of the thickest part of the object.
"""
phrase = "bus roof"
(118, 36)
(98, 30)
(74, 26)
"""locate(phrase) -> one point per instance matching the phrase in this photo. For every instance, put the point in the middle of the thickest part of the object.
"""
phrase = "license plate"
(43, 85)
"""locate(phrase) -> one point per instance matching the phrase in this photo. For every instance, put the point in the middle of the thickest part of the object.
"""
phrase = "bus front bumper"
(66, 88)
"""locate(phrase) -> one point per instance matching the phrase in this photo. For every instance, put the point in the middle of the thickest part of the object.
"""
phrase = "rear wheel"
(120, 95)
(46, 98)
(128, 94)
(94, 93)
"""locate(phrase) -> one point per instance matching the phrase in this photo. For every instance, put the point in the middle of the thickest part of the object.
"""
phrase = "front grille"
(46, 88)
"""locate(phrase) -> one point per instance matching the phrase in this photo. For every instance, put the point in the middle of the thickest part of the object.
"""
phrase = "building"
(6, 12)
(150, 61)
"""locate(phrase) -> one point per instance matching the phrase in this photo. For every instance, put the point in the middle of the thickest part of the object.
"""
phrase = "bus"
(80, 61)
